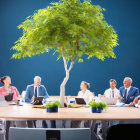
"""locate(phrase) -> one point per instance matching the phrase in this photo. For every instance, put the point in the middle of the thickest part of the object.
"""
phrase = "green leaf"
(78, 27)
(53, 104)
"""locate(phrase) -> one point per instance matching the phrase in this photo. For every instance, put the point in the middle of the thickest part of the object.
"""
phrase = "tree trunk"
(62, 87)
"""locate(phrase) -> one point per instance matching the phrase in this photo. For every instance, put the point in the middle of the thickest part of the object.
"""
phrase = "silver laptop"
(2, 101)
(110, 101)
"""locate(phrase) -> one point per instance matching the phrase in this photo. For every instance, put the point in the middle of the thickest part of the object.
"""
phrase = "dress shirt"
(108, 93)
(127, 91)
(87, 95)
(37, 91)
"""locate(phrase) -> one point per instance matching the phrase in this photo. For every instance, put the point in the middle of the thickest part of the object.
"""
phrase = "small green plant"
(98, 104)
(92, 104)
(54, 104)
(101, 105)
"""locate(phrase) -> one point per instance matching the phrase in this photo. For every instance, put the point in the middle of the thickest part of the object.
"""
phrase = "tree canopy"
(69, 27)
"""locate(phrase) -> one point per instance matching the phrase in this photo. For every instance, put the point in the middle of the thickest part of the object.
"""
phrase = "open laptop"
(80, 101)
(37, 101)
(9, 97)
(110, 101)
(3, 102)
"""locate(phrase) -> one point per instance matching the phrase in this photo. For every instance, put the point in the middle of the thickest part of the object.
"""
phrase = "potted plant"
(100, 106)
(97, 107)
(93, 106)
(52, 107)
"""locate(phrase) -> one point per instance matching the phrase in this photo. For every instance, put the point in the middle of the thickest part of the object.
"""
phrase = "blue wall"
(123, 15)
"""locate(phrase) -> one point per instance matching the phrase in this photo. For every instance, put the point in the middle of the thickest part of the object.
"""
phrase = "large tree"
(72, 29)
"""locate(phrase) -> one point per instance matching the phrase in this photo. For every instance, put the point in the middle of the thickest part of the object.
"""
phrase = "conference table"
(27, 112)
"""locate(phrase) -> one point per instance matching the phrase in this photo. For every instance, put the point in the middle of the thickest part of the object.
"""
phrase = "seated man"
(35, 90)
(112, 92)
(127, 92)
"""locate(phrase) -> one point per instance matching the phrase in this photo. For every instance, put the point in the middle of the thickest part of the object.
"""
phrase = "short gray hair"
(37, 77)
(128, 78)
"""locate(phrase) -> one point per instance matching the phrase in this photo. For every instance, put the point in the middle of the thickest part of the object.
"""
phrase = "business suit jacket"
(132, 94)
(30, 92)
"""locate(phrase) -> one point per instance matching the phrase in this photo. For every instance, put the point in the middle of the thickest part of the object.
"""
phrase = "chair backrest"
(49, 134)
(124, 132)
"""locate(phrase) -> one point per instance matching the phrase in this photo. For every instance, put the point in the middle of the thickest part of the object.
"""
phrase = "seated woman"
(6, 89)
(85, 93)
(88, 96)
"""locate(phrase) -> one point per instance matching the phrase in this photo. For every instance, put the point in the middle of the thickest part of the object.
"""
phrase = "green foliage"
(98, 104)
(54, 104)
(92, 104)
(102, 105)
(72, 26)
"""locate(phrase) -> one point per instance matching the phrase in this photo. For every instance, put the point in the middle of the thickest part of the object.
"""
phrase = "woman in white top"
(85, 93)
(88, 96)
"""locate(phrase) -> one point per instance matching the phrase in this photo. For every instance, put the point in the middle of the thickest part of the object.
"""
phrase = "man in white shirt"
(112, 92)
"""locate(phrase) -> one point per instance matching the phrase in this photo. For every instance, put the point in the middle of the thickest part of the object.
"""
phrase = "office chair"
(49, 134)
(124, 132)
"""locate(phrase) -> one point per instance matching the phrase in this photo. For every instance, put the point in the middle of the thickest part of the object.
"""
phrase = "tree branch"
(71, 65)
(64, 59)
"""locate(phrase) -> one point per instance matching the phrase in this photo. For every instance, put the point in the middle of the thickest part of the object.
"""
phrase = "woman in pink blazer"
(6, 89)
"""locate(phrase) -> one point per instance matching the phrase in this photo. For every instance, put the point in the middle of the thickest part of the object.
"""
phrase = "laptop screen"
(9, 97)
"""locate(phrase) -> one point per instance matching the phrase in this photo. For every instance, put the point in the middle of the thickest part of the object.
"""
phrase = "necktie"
(125, 98)
(36, 92)
(112, 93)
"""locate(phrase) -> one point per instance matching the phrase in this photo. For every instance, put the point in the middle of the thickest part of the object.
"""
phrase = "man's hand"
(120, 98)
(131, 104)
(136, 100)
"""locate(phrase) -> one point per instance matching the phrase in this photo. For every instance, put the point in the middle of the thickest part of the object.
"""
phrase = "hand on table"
(136, 100)
(131, 104)
(120, 98)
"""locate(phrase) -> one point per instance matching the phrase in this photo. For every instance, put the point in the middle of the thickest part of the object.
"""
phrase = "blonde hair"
(87, 84)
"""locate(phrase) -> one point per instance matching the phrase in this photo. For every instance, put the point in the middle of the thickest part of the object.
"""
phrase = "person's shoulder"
(42, 86)
(30, 86)
(135, 88)
(79, 92)
(13, 87)
(107, 90)
(88, 91)
(121, 88)
(116, 89)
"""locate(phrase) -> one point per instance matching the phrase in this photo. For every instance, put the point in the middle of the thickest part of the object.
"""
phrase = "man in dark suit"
(35, 90)
(127, 92)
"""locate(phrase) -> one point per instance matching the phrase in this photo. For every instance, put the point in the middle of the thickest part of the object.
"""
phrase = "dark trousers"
(31, 124)
(53, 124)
